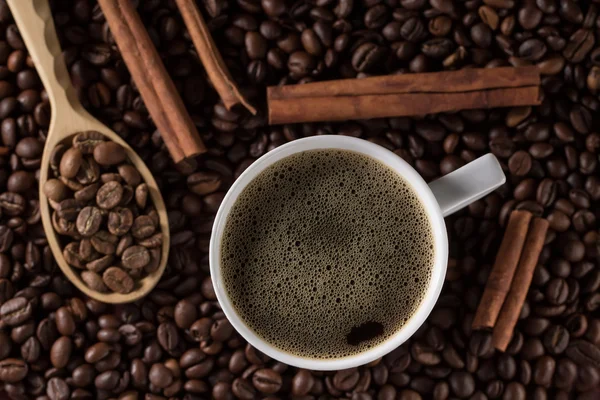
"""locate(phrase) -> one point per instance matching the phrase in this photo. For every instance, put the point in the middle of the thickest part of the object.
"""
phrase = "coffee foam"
(327, 253)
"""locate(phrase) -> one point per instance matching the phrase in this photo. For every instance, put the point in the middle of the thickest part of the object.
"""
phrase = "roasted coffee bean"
(65, 323)
(70, 163)
(579, 45)
(55, 190)
(185, 314)
(267, 381)
(12, 204)
(104, 243)
(425, 355)
(583, 352)
(87, 194)
(87, 141)
(520, 163)
(557, 291)
(109, 153)
(544, 370)
(13, 370)
(135, 257)
(117, 280)
(109, 195)
(168, 336)
(462, 384)
(93, 280)
(556, 339)
(31, 350)
(120, 221)
(58, 389)
(143, 227)
(16, 311)
(60, 353)
(88, 221)
(203, 183)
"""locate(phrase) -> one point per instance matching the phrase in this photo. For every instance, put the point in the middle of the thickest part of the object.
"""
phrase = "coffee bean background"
(176, 343)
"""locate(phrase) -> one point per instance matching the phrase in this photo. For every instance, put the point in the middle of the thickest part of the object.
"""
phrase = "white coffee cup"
(440, 198)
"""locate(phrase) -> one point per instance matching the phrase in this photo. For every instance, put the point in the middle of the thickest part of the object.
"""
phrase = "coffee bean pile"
(102, 211)
(176, 343)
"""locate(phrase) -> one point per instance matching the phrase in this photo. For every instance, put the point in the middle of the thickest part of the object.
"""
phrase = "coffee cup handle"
(467, 184)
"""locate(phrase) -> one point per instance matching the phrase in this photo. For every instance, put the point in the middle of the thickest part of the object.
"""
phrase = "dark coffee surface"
(178, 335)
(327, 253)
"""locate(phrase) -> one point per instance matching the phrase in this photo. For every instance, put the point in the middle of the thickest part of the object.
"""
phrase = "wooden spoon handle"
(34, 19)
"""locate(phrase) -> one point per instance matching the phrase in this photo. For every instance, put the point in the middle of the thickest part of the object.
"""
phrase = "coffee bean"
(88, 221)
(104, 243)
(346, 379)
(583, 352)
(109, 153)
(135, 257)
(366, 56)
(70, 163)
(300, 64)
(16, 311)
(28, 147)
(13, 204)
(520, 163)
(425, 355)
(532, 49)
(143, 227)
(544, 370)
(57, 389)
(109, 195)
(31, 350)
(556, 339)
(118, 280)
(579, 45)
(93, 280)
(462, 384)
(61, 350)
(55, 190)
(65, 324)
(514, 390)
(266, 381)
(13, 370)
(120, 221)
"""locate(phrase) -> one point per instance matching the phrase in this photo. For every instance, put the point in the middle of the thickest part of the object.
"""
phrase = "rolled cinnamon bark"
(501, 277)
(152, 80)
(509, 314)
(404, 95)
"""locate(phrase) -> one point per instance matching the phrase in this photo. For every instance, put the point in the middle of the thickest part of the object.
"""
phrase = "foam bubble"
(327, 253)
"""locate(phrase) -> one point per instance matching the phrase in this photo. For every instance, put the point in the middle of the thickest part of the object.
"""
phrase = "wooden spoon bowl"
(34, 19)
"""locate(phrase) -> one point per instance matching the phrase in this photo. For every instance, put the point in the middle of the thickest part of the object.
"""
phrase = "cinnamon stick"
(404, 95)
(211, 58)
(152, 79)
(501, 277)
(509, 314)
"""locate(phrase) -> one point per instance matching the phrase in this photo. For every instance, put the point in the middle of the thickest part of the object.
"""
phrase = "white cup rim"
(399, 166)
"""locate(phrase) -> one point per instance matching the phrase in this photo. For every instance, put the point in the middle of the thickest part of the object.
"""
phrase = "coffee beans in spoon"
(109, 230)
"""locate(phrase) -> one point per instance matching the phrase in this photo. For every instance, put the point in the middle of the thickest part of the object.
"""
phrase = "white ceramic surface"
(442, 197)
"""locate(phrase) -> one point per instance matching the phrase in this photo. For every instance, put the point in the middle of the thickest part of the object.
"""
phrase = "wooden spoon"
(34, 19)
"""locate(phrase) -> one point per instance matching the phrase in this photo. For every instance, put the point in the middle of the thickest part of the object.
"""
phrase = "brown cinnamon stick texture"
(211, 58)
(509, 314)
(503, 271)
(152, 80)
(404, 95)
